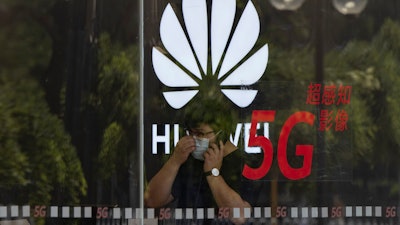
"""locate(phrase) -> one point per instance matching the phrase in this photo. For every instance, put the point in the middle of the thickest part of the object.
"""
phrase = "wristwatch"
(214, 172)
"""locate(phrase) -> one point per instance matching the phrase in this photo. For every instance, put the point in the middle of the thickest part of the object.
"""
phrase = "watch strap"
(208, 173)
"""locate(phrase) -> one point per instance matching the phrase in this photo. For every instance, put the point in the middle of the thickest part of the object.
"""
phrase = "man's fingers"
(188, 144)
(214, 148)
(221, 148)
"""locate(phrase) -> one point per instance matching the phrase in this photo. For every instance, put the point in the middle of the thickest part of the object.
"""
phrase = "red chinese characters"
(329, 95)
(314, 94)
(344, 94)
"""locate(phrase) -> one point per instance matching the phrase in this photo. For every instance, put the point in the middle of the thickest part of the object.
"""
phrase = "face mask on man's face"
(201, 147)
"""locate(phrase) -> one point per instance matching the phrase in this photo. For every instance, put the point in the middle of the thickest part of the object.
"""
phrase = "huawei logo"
(194, 53)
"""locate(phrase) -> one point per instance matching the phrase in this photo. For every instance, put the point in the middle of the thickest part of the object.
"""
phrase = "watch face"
(215, 172)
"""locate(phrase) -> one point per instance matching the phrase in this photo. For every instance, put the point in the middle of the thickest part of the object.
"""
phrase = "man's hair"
(218, 116)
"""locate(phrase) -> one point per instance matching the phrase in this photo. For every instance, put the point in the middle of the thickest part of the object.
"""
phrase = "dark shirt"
(191, 190)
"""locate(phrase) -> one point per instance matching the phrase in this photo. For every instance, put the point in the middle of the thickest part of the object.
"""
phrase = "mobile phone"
(221, 136)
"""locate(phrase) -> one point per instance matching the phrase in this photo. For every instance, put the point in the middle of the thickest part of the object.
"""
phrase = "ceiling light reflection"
(289, 5)
(350, 7)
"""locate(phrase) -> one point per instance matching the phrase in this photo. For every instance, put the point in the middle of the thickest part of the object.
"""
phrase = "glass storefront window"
(199, 112)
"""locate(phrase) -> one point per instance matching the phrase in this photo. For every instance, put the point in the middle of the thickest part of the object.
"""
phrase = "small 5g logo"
(39, 211)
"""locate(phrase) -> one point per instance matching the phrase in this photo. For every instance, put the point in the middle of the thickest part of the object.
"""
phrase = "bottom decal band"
(105, 212)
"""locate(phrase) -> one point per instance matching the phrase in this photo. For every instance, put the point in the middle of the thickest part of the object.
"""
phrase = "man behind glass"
(192, 179)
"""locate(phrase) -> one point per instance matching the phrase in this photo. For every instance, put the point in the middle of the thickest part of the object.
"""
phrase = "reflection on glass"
(287, 4)
(349, 7)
